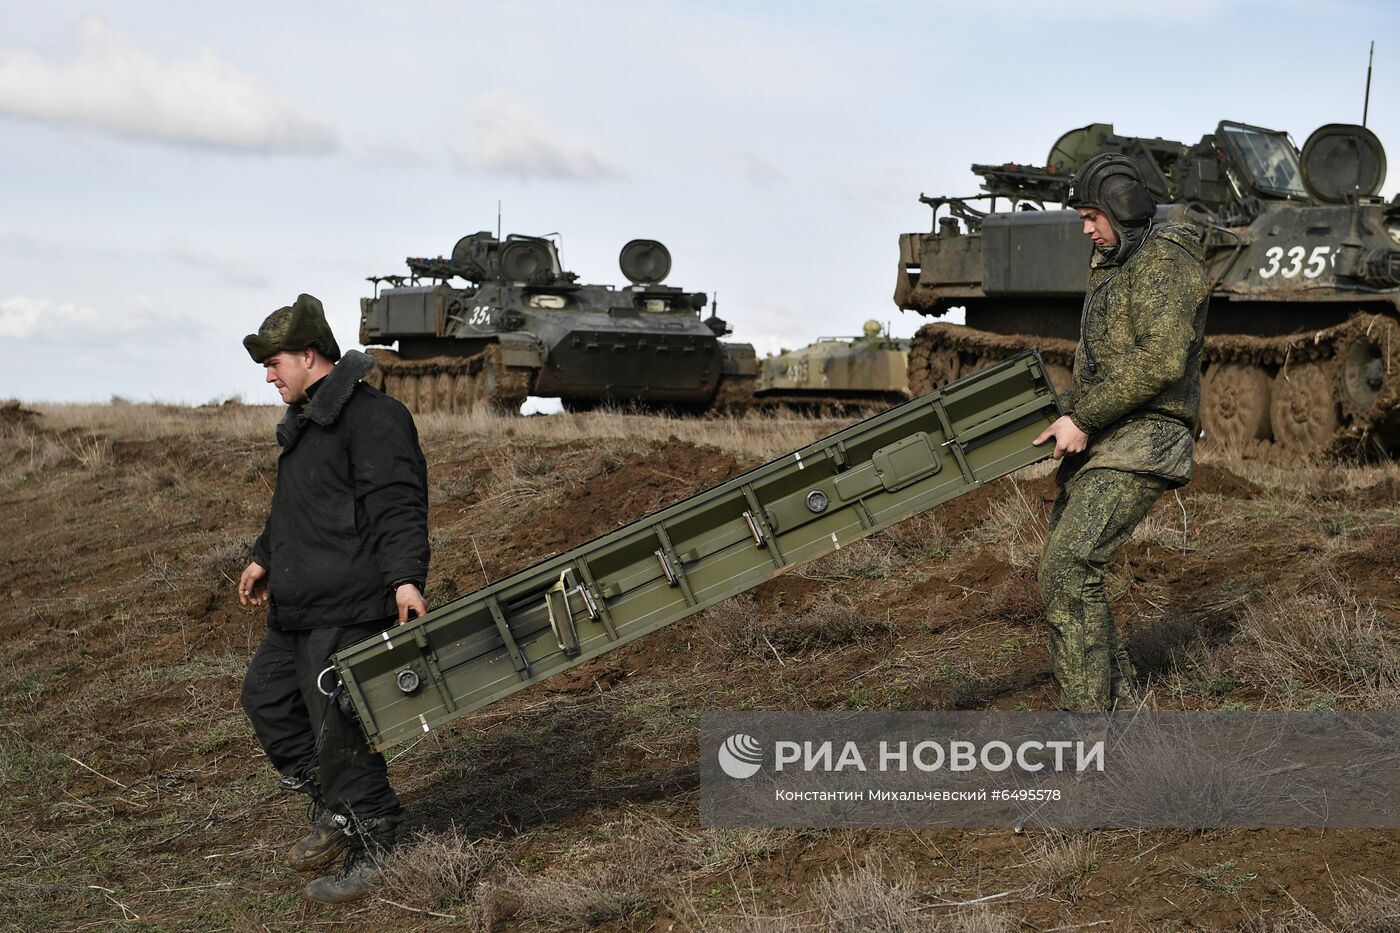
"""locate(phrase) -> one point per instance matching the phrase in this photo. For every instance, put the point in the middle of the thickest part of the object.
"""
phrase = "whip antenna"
(1366, 107)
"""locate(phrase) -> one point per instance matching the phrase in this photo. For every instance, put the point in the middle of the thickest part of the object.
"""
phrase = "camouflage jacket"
(1137, 370)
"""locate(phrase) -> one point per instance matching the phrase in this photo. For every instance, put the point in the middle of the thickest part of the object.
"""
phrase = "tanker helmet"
(1111, 183)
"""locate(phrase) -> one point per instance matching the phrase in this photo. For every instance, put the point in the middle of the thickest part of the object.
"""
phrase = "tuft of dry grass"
(440, 871)
(1295, 643)
(620, 877)
(866, 900)
(1062, 863)
(1014, 529)
(1367, 907)
(739, 626)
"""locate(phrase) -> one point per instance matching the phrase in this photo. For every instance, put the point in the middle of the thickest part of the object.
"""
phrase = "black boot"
(327, 838)
(360, 872)
(320, 847)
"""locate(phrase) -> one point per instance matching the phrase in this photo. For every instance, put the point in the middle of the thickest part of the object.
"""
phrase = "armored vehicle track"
(452, 384)
(1335, 390)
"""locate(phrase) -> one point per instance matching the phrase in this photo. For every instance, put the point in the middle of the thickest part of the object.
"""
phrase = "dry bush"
(440, 872)
(1014, 529)
(736, 626)
(1061, 865)
(1164, 644)
(619, 877)
(827, 624)
(919, 538)
(741, 627)
(730, 849)
(1014, 601)
(226, 559)
(864, 900)
(874, 558)
(1367, 907)
(1323, 640)
(1220, 783)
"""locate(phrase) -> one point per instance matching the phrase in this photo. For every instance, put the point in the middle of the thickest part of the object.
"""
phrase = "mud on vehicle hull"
(458, 384)
(1334, 390)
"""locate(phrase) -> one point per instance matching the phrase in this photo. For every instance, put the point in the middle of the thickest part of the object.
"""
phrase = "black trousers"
(304, 735)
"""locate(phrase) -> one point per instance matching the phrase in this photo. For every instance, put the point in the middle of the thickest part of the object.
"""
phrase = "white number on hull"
(1317, 263)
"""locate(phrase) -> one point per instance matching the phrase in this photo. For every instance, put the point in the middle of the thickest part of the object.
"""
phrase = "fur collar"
(330, 398)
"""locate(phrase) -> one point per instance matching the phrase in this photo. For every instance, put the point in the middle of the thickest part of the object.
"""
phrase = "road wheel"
(1304, 407)
(463, 393)
(442, 392)
(944, 366)
(393, 385)
(1235, 399)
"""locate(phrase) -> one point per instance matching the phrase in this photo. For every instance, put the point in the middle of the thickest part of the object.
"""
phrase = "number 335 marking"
(1316, 265)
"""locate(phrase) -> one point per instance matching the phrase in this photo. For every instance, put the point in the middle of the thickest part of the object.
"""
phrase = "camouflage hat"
(298, 327)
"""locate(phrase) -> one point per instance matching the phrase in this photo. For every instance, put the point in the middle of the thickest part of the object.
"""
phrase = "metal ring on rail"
(321, 676)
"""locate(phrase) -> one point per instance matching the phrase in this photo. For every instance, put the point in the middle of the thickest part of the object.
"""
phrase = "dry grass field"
(133, 795)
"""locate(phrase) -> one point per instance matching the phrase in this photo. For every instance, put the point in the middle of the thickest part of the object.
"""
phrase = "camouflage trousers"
(1094, 514)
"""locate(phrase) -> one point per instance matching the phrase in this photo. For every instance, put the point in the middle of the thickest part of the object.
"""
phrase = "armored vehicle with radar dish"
(1303, 332)
(500, 320)
(837, 373)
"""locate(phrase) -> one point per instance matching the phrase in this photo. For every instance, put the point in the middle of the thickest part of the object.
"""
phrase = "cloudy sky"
(174, 172)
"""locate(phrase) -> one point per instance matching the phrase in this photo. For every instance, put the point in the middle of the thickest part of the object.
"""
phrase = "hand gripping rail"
(700, 551)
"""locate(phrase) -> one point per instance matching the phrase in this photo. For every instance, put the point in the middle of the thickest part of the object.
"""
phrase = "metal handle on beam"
(666, 567)
(561, 617)
(754, 529)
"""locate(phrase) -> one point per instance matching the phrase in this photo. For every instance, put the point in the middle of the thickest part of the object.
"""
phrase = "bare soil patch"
(133, 792)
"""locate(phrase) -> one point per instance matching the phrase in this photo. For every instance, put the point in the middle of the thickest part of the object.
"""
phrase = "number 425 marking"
(1316, 265)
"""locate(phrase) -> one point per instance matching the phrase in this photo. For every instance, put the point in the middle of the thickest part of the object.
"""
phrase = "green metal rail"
(698, 552)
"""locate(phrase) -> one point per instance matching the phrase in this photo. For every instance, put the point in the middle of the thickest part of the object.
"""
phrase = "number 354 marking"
(1317, 262)
(480, 316)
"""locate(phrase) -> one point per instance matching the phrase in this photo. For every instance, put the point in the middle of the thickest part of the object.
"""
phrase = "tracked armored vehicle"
(1303, 334)
(501, 320)
(837, 373)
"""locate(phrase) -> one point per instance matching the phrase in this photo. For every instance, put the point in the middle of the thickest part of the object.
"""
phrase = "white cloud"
(504, 137)
(115, 86)
(43, 321)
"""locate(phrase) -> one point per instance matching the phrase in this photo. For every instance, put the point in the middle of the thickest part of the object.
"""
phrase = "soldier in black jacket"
(344, 555)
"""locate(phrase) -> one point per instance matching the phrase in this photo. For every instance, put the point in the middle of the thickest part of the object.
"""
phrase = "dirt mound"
(969, 510)
(1214, 480)
(1385, 494)
(12, 413)
(620, 491)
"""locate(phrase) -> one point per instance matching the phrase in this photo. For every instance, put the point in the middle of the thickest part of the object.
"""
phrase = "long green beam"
(662, 568)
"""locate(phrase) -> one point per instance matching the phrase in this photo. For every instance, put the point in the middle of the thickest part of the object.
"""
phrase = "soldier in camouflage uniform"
(1130, 417)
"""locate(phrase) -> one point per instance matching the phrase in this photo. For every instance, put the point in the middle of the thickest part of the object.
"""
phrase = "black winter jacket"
(349, 514)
